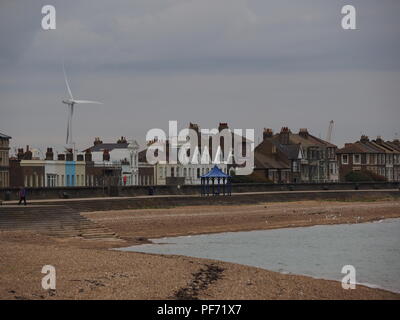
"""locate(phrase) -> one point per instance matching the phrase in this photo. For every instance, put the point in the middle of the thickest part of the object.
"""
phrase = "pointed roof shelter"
(216, 173)
(218, 178)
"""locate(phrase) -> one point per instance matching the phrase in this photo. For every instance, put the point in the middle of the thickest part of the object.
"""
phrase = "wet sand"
(89, 270)
(145, 224)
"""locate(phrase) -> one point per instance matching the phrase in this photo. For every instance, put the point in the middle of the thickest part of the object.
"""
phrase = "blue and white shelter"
(218, 179)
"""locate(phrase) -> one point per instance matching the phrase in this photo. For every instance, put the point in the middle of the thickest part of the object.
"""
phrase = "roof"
(215, 173)
(290, 150)
(108, 146)
(3, 136)
(268, 161)
(264, 157)
(394, 144)
(310, 141)
(355, 148)
(370, 147)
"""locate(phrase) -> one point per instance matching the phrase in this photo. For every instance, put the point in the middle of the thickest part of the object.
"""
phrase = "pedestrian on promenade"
(22, 195)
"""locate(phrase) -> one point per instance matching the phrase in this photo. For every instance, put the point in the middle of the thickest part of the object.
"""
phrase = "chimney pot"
(284, 135)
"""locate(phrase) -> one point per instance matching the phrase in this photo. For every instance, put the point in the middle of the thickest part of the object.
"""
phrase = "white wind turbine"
(70, 103)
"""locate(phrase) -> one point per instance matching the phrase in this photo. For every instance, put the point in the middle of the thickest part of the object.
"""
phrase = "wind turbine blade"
(66, 82)
(87, 101)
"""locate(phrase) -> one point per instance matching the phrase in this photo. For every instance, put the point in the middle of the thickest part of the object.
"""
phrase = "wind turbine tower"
(71, 102)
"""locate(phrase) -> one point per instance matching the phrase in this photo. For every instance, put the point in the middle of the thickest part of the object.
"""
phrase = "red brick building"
(377, 156)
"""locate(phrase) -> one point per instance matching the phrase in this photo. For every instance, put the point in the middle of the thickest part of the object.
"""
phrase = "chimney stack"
(97, 141)
(195, 127)
(303, 132)
(364, 139)
(49, 154)
(69, 155)
(28, 154)
(268, 133)
(284, 135)
(121, 140)
(379, 140)
(88, 156)
(222, 126)
(106, 155)
(20, 154)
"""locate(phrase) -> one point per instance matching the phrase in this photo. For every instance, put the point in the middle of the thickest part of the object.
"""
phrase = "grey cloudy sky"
(251, 63)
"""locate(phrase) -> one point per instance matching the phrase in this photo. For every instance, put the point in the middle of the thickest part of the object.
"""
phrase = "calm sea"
(318, 251)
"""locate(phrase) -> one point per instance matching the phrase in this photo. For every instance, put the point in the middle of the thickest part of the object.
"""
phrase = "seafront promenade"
(164, 201)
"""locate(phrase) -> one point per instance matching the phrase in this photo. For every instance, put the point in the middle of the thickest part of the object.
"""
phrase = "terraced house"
(288, 157)
(377, 156)
(31, 171)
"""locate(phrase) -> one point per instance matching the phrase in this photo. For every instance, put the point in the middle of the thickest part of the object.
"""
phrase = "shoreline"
(140, 225)
(88, 269)
(150, 242)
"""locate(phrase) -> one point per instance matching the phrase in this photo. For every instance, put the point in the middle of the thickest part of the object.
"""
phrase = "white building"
(123, 154)
(172, 171)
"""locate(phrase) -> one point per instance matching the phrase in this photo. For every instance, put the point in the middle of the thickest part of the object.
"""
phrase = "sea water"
(318, 251)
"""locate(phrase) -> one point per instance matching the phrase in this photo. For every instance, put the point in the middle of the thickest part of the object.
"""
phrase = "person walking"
(22, 195)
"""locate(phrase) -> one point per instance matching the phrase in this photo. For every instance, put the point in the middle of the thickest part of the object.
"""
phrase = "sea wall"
(119, 203)
(93, 192)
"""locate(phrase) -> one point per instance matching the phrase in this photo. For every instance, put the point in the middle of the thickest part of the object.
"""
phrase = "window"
(357, 159)
(198, 172)
(295, 166)
(172, 172)
(51, 180)
(373, 158)
(345, 159)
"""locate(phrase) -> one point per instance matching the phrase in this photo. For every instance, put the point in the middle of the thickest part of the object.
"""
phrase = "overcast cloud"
(251, 63)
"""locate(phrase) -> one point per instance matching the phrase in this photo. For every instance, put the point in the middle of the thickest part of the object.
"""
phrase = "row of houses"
(377, 156)
(28, 170)
(282, 157)
(288, 157)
